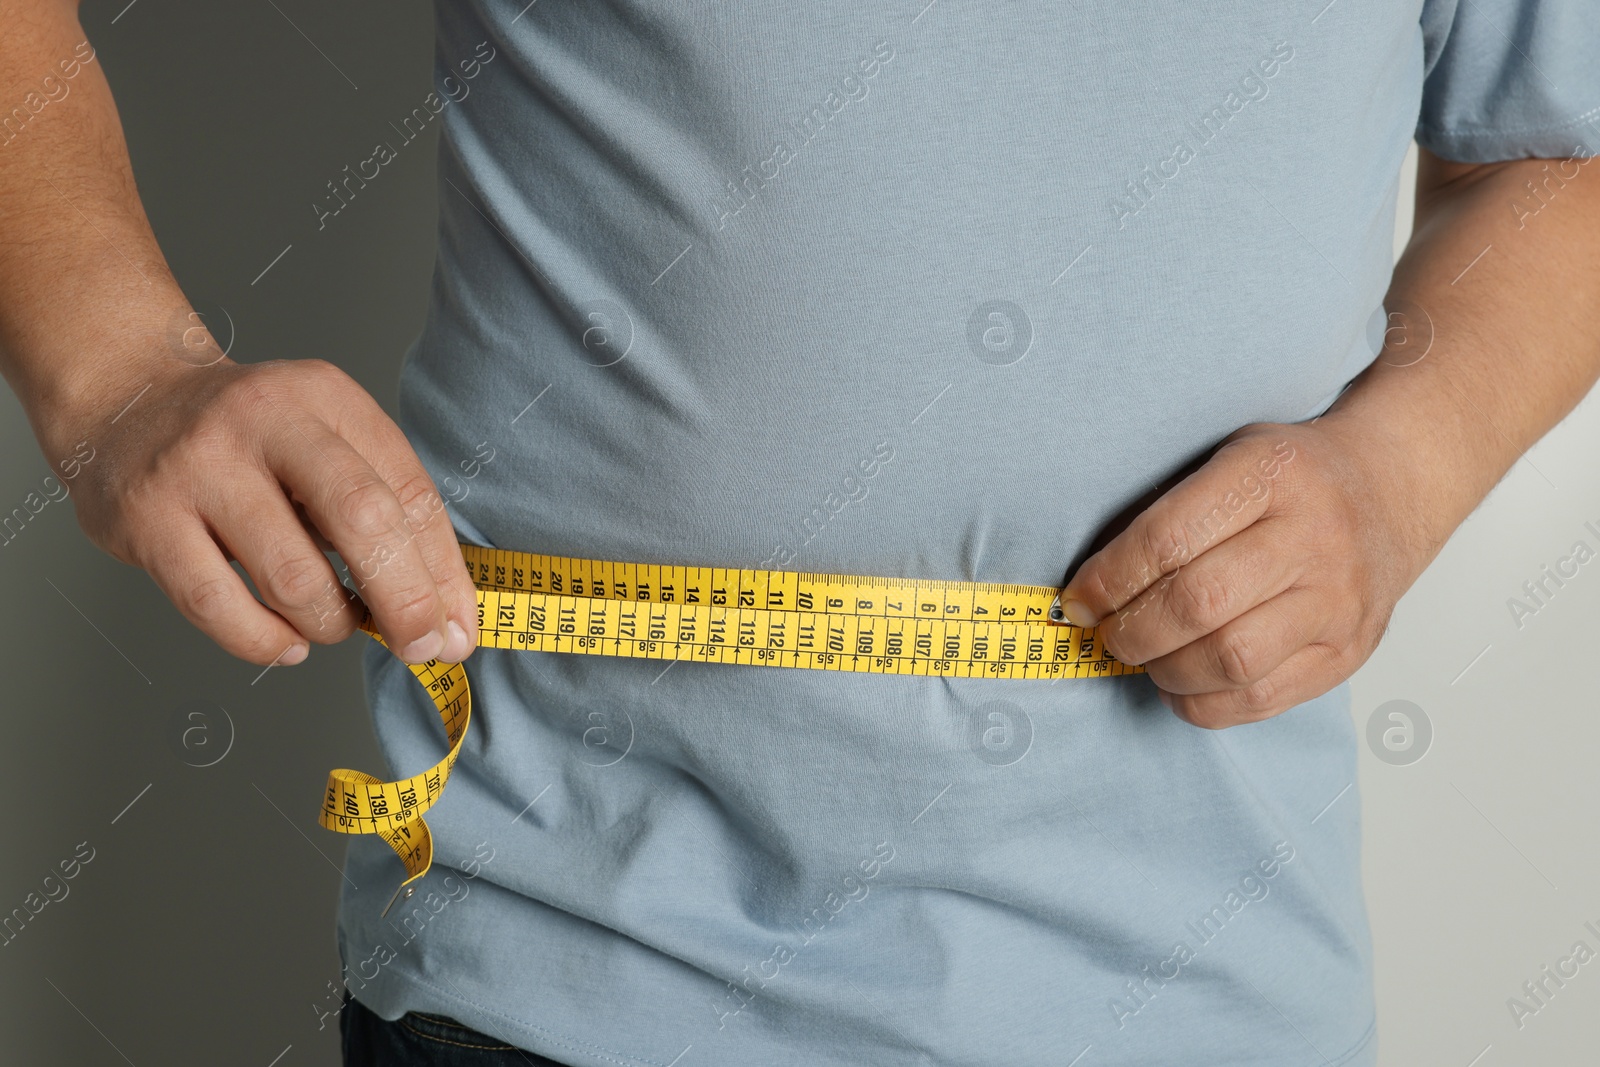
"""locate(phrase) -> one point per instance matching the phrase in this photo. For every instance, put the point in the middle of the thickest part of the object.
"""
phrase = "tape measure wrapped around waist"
(760, 618)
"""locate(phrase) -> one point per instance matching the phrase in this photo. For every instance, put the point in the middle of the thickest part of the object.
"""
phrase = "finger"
(391, 455)
(359, 513)
(1306, 674)
(1245, 650)
(188, 566)
(264, 533)
(310, 528)
(1214, 503)
(1221, 585)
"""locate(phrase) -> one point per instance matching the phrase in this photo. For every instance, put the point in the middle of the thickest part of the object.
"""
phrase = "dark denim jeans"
(417, 1039)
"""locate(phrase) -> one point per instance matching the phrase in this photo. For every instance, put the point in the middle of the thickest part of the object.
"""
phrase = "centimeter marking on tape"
(898, 626)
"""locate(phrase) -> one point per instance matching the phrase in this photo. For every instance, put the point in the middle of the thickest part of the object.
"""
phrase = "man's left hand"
(1263, 579)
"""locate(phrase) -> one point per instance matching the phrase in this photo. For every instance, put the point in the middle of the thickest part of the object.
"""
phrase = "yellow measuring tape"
(831, 622)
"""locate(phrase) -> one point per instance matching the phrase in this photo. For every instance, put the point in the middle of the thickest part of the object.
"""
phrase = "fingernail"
(424, 648)
(1079, 614)
(296, 654)
(457, 644)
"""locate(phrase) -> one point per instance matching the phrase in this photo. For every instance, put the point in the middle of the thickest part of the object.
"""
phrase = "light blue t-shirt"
(928, 289)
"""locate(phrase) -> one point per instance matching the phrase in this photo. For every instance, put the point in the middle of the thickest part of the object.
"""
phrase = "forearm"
(84, 289)
(1511, 335)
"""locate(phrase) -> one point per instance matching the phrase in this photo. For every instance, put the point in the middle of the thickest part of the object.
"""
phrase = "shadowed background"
(202, 928)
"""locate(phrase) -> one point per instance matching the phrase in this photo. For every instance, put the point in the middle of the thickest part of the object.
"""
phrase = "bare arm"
(1515, 334)
(180, 460)
(1268, 576)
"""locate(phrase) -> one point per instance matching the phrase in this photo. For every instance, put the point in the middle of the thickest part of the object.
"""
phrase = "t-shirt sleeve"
(1510, 79)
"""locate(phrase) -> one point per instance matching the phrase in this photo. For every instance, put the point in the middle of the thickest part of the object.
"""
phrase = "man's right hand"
(269, 464)
(197, 460)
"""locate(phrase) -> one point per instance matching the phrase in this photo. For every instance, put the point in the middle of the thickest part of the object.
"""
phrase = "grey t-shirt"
(924, 289)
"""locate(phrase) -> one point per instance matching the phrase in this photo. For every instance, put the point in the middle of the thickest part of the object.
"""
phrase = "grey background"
(182, 943)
